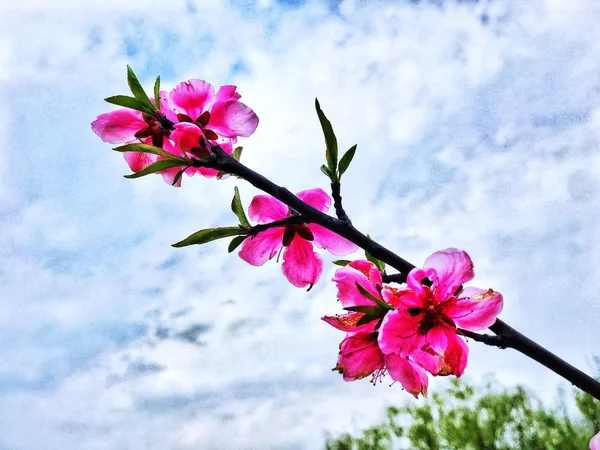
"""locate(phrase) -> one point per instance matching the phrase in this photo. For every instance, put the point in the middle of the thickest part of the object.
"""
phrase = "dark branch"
(394, 278)
(337, 202)
(505, 337)
(292, 220)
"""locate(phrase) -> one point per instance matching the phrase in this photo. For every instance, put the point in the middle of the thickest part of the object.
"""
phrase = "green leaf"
(370, 310)
(137, 90)
(366, 319)
(347, 159)
(342, 262)
(331, 154)
(155, 167)
(370, 296)
(129, 102)
(235, 243)
(210, 234)
(238, 208)
(157, 93)
(178, 176)
(237, 153)
(326, 171)
(145, 148)
(380, 264)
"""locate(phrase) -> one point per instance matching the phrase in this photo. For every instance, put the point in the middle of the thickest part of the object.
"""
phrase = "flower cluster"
(302, 266)
(190, 118)
(407, 331)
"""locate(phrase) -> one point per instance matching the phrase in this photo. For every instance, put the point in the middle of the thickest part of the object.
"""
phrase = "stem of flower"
(506, 336)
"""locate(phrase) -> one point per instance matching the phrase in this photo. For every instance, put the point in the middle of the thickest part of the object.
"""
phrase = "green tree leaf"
(331, 154)
(342, 262)
(155, 167)
(137, 90)
(145, 148)
(157, 93)
(346, 160)
(327, 173)
(369, 310)
(129, 102)
(235, 243)
(380, 264)
(237, 153)
(238, 208)
(210, 234)
(370, 296)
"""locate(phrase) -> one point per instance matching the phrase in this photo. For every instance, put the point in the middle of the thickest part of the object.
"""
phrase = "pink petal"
(317, 198)
(401, 299)
(410, 375)
(169, 176)
(186, 136)
(262, 247)
(359, 357)
(476, 308)
(453, 267)
(119, 126)
(138, 161)
(232, 119)
(265, 209)
(415, 277)
(227, 93)
(301, 265)
(328, 240)
(595, 442)
(191, 97)
(450, 361)
(399, 334)
(366, 274)
(348, 322)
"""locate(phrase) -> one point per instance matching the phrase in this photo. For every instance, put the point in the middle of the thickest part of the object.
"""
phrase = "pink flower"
(219, 115)
(302, 266)
(359, 357)
(595, 442)
(425, 321)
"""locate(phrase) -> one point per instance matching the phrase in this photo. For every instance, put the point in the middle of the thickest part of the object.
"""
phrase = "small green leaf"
(136, 89)
(326, 171)
(347, 159)
(370, 310)
(157, 93)
(178, 176)
(237, 153)
(331, 154)
(342, 262)
(210, 234)
(129, 102)
(238, 208)
(366, 319)
(235, 243)
(155, 167)
(145, 148)
(380, 264)
(370, 296)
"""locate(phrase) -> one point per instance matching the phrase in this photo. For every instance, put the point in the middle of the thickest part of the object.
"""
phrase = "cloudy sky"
(478, 127)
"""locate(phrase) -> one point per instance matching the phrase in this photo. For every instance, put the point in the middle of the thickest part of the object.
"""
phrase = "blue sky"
(476, 134)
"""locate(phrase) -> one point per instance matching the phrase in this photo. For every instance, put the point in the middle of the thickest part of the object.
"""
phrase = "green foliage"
(484, 418)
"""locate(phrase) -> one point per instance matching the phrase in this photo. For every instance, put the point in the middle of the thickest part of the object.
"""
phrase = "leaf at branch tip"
(342, 262)
(326, 171)
(346, 160)
(210, 234)
(237, 153)
(380, 264)
(331, 154)
(238, 208)
(157, 93)
(145, 148)
(136, 88)
(178, 176)
(235, 243)
(129, 102)
(370, 296)
(366, 319)
(155, 167)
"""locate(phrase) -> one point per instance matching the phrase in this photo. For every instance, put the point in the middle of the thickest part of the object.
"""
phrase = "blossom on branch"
(302, 266)
(428, 314)
(192, 118)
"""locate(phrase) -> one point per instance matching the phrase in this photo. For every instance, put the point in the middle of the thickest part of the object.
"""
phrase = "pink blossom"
(301, 265)
(595, 442)
(425, 321)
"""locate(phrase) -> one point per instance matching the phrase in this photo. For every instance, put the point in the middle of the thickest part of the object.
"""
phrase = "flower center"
(301, 230)
(432, 315)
